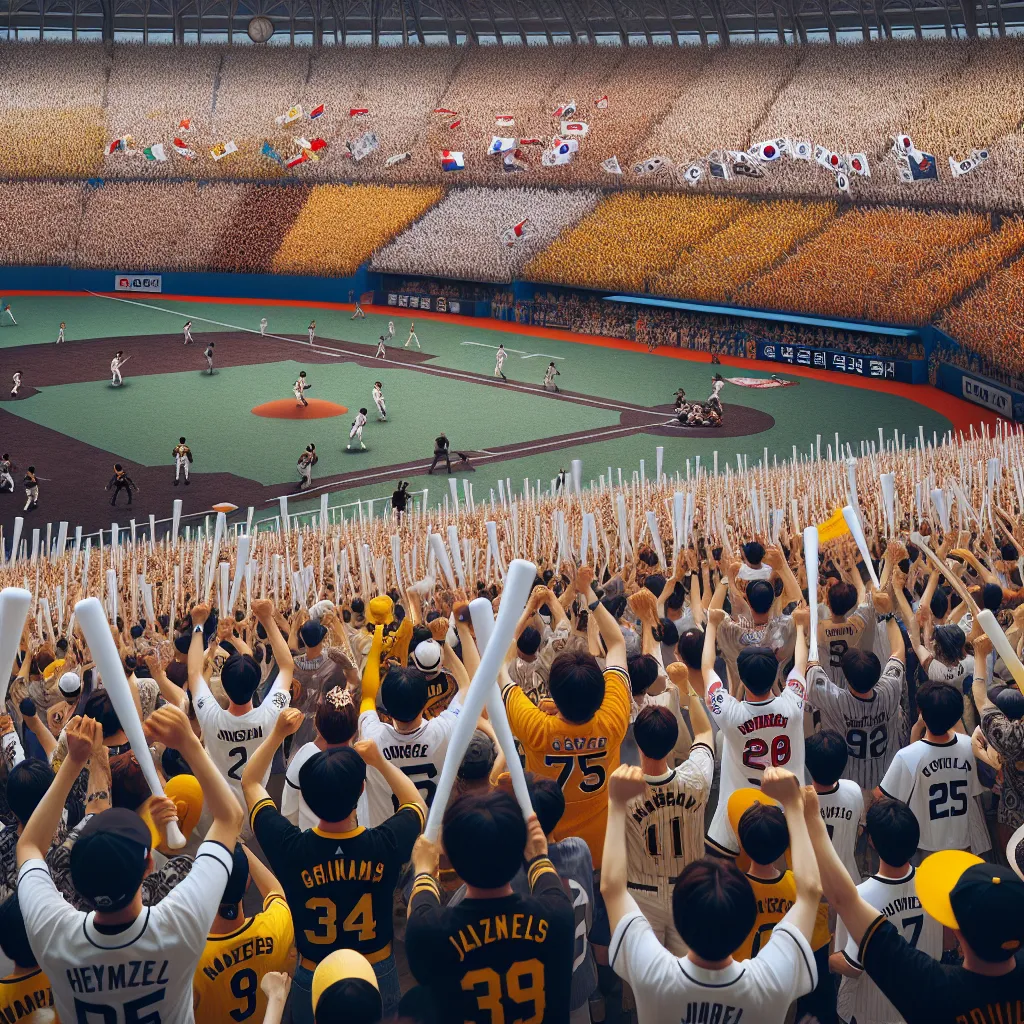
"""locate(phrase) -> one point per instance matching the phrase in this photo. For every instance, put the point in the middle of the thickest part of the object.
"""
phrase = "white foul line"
(518, 351)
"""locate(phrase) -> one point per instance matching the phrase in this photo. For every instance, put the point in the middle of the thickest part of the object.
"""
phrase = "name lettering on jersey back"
(712, 1013)
(953, 763)
(774, 905)
(240, 735)
(259, 945)
(994, 1013)
(403, 750)
(764, 722)
(341, 870)
(499, 928)
(574, 743)
(901, 905)
(26, 1004)
(846, 629)
(828, 813)
(112, 977)
(659, 798)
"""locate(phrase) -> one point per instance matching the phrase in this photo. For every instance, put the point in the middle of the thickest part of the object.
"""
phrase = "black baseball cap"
(984, 902)
(331, 781)
(312, 633)
(108, 862)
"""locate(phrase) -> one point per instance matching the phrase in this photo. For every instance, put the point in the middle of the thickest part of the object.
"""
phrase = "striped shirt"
(871, 725)
(665, 826)
(841, 809)
(836, 638)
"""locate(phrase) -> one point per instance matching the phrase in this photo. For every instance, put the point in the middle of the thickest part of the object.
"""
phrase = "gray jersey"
(871, 725)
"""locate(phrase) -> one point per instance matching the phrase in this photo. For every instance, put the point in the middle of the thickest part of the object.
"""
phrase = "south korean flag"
(843, 182)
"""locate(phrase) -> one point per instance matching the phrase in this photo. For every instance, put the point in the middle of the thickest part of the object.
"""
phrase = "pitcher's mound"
(287, 409)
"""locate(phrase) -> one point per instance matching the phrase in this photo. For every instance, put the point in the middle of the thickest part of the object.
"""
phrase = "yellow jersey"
(774, 898)
(226, 985)
(22, 994)
(580, 758)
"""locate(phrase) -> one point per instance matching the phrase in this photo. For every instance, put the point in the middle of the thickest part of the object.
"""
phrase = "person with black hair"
(26, 989)
(340, 877)
(714, 909)
(893, 832)
(753, 567)
(937, 776)
(841, 800)
(120, 481)
(400, 498)
(538, 643)
(665, 825)
(232, 734)
(497, 955)
(843, 629)
(241, 950)
(982, 903)
(760, 731)
(868, 711)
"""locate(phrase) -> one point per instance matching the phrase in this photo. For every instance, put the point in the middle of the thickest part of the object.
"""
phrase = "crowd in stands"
(699, 801)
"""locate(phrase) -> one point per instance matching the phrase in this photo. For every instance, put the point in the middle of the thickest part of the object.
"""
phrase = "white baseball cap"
(427, 656)
(70, 683)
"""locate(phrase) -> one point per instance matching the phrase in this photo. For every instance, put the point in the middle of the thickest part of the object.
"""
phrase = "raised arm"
(790, 587)
(29, 716)
(611, 634)
(263, 878)
(259, 763)
(802, 620)
(264, 612)
(626, 782)
(398, 782)
(883, 606)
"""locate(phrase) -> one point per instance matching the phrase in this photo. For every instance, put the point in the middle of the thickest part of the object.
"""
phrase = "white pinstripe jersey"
(665, 826)
(841, 810)
(860, 999)
(836, 638)
(871, 725)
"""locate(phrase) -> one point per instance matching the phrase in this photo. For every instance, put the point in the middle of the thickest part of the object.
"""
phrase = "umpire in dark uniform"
(441, 452)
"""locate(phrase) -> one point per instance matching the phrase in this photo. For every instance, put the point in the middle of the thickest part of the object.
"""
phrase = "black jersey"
(339, 885)
(499, 959)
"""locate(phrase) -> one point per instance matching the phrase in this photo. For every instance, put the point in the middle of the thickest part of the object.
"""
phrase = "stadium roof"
(531, 22)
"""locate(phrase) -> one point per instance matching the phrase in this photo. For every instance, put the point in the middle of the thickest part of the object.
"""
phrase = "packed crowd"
(732, 805)
(951, 96)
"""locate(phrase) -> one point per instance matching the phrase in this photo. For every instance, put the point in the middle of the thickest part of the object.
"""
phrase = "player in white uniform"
(263, 327)
(391, 329)
(415, 745)
(665, 825)
(124, 962)
(208, 353)
(894, 833)
(182, 460)
(307, 460)
(358, 314)
(382, 349)
(16, 385)
(6, 475)
(714, 909)
(357, 430)
(841, 801)
(7, 310)
(116, 363)
(187, 332)
(299, 389)
(499, 361)
(937, 776)
(312, 330)
(378, 400)
(231, 735)
(60, 333)
(412, 335)
(760, 732)
(868, 712)
(549, 377)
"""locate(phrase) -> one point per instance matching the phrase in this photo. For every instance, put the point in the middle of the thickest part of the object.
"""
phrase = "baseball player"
(717, 383)
(209, 358)
(116, 380)
(17, 384)
(391, 329)
(499, 361)
(6, 477)
(357, 430)
(382, 352)
(307, 460)
(549, 377)
(358, 314)
(665, 825)
(299, 388)
(378, 400)
(31, 489)
(7, 310)
(60, 333)
(120, 481)
(311, 330)
(412, 335)
(182, 459)
(187, 331)
(263, 327)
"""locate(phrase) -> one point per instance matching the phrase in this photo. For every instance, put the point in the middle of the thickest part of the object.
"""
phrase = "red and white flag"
(602, 103)
(577, 128)
(294, 161)
(182, 150)
(185, 124)
(358, 111)
(531, 142)
(504, 121)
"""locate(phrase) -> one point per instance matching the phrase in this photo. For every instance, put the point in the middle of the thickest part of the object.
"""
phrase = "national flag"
(299, 158)
(858, 164)
(565, 110)
(717, 167)
(120, 145)
(271, 153)
(602, 103)
(452, 161)
(316, 145)
(611, 165)
(843, 182)
(554, 158)
(505, 121)
(398, 158)
(652, 164)
(923, 166)
(222, 149)
(156, 152)
(445, 110)
(693, 174)
(185, 124)
(766, 151)
(316, 112)
(958, 168)
(515, 234)
(531, 142)
(182, 150)
(500, 145)
(358, 111)
(292, 114)
(801, 150)
(902, 145)
(513, 161)
(579, 128)
(823, 156)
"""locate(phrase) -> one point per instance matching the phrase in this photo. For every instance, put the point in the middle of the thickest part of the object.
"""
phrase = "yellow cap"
(937, 877)
(381, 610)
(741, 799)
(341, 965)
